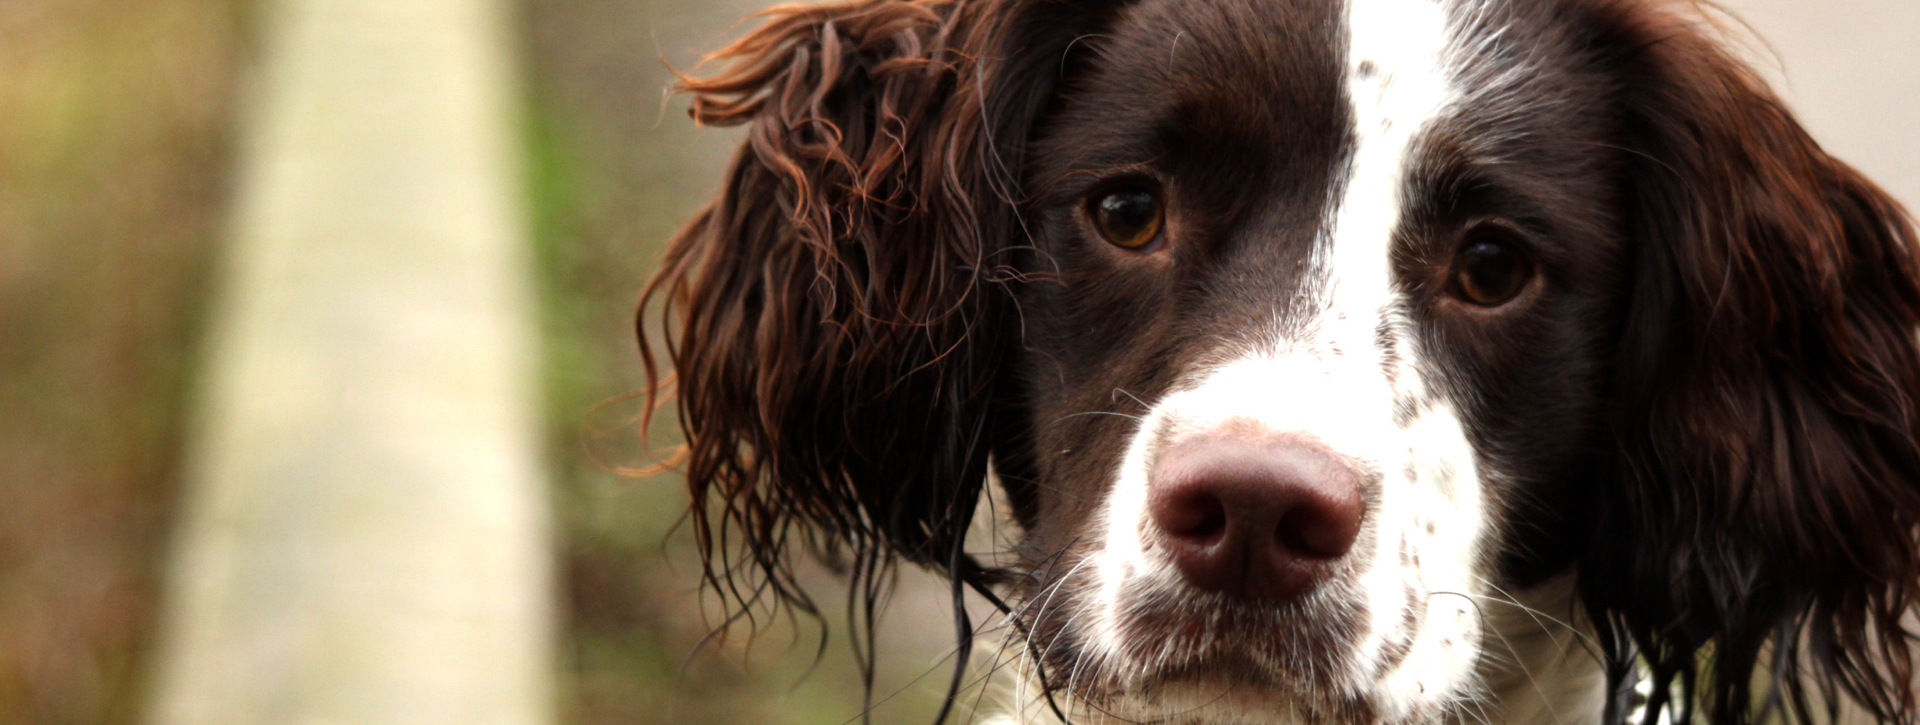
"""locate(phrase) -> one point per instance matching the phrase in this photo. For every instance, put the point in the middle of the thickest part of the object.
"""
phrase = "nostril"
(1195, 516)
(1293, 538)
(1315, 532)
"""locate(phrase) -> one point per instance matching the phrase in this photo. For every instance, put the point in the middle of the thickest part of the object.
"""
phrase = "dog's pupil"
(1492, 272)
(1128, 215)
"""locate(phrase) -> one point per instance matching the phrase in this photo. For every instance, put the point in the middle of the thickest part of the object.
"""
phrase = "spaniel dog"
(1343, 361)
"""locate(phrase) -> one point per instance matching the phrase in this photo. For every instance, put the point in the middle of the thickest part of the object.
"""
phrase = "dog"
(1340, 361)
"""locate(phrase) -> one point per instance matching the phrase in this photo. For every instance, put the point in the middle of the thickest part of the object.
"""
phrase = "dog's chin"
(1235, 690)
(1174, 655)
(1306, 645)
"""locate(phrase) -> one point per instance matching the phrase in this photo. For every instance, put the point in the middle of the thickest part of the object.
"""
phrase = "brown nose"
(1260, 520)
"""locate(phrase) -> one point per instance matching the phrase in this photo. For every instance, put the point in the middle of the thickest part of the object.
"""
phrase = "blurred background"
(122, 127)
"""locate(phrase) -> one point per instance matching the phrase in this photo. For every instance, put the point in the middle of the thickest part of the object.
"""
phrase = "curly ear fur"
(821, 312)
(1756, 544)
(819, 308)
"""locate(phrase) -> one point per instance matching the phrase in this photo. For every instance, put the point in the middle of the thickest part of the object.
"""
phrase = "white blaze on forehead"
(1397, 84)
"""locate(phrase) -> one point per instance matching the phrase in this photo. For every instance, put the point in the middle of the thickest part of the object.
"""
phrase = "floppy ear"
(1756, 543)
(836, 316)
(823, 311)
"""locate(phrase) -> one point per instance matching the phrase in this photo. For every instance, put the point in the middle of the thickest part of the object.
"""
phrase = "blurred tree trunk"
(364, 536)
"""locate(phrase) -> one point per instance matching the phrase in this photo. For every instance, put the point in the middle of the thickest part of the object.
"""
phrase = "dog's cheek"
(1532, 412)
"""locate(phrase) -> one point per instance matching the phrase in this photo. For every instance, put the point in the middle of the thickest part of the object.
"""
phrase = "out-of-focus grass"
(115, 119)
(616, 169)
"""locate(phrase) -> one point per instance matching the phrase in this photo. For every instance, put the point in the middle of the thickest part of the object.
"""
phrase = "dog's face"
(1313, 314)
(1301, 333)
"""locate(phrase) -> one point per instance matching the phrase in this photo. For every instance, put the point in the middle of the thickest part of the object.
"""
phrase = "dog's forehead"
(1252, 85)
(1227, 70)
(1228, 73)
(1265, 107)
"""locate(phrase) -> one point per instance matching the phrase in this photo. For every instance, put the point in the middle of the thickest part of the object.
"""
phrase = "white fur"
(1397, 84)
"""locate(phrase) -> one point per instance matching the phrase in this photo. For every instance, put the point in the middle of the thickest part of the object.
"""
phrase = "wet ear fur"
(1756, 543)
(836, 317)
(820, 313)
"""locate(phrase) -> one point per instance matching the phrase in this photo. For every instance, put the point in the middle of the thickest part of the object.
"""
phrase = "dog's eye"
(1490, 271)
(1130, 218)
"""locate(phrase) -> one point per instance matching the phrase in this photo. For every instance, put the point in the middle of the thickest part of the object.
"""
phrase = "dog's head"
(1298, 333)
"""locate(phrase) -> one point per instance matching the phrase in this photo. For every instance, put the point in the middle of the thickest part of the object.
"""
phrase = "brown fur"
(1768, 479)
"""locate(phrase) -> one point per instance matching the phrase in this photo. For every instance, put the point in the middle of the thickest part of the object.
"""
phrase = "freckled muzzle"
(1276, 533)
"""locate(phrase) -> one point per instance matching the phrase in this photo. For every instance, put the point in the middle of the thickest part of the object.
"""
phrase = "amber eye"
(1130, 217)
(1490, 270)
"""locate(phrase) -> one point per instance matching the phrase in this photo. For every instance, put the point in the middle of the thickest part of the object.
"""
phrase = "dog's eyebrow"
(1206, 122)
(1068, 52)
